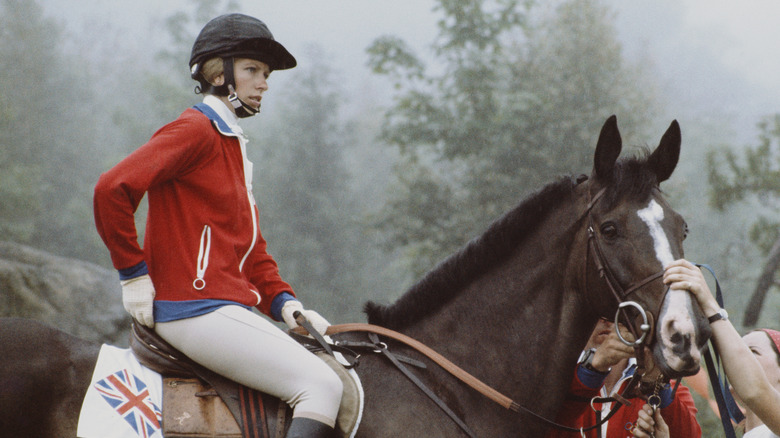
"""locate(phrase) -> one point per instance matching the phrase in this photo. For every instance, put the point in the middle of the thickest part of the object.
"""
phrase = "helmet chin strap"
(241, 108)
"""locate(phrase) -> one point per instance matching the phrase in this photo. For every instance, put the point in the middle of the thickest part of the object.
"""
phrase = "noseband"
(644, 333)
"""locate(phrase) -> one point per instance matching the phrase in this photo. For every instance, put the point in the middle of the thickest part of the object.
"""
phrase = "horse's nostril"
(676, 338)
(682, 345)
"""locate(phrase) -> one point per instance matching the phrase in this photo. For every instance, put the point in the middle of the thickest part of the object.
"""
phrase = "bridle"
(643, 334)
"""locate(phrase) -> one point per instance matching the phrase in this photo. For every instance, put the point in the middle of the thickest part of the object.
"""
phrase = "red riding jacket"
(202, 244)
(679, 413)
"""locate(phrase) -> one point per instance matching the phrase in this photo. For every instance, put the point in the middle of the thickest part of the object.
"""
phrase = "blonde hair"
(212, 68)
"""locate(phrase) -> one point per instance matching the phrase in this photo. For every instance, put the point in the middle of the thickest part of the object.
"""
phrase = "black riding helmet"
(236, 36)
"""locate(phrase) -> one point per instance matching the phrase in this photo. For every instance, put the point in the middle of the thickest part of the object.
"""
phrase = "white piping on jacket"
(248, 166)
(203, 258)
(232, 121)
(248, 181)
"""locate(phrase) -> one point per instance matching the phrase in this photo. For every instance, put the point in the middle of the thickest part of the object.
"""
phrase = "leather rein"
(493, 394)
(459, 373)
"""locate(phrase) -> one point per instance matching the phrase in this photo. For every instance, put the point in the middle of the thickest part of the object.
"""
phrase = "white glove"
(138, 298)
(315, 319)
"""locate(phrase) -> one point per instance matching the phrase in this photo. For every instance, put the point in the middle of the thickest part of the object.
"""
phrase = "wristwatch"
(586, 361)
(720, 314)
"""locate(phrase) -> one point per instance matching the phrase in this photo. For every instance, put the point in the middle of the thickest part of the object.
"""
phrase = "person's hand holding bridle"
(612, 350)
(650, 424)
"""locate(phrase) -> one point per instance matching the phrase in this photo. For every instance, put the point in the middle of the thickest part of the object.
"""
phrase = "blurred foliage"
(309, 211)
(733, 178)
(45, 136)
(518, 97)
(708, 419)
(167, 88)
(752, 182)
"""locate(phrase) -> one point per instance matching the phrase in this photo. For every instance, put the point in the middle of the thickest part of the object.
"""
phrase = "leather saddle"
(243, 403)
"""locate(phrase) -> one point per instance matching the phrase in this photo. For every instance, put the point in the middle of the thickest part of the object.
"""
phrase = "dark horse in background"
(513, 308)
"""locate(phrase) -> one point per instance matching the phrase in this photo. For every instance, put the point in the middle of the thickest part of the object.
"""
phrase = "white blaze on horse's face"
(652, 216)
(676, 326)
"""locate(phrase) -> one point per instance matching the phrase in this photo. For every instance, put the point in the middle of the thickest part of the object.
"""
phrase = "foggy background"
(356, 199)
(716, 53)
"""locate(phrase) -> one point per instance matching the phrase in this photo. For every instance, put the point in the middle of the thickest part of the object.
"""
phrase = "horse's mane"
(442, 283)
(632, 178)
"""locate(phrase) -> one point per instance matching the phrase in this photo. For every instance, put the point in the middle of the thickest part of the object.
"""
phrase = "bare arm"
(742, 369)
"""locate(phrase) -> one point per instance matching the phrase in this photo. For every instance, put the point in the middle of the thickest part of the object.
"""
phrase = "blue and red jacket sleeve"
(576, 411)
(680, 415)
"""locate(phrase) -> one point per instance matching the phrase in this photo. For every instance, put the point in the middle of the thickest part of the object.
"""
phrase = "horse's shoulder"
(28, 335)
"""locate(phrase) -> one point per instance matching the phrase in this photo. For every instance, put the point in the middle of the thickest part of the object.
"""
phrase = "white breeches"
(250, 350)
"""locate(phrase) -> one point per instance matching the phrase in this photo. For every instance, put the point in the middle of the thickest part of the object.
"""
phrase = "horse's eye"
(609, 230)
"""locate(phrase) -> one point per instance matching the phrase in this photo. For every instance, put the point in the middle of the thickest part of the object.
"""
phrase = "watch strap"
(720, 315)
(587, 361)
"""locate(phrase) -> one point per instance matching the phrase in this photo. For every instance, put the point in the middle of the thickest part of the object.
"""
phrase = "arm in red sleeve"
(680, 415)
(585, 385)
(119, 191)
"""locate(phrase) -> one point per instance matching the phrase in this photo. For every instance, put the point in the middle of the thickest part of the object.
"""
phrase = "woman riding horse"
(204, 264)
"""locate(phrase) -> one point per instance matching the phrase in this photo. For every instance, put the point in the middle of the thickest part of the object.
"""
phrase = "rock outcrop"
(78, 297)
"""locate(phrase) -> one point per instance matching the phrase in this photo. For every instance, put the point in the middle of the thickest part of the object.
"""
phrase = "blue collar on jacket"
(215, 118)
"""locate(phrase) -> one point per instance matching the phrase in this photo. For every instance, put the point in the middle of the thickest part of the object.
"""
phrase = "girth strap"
(419, 383)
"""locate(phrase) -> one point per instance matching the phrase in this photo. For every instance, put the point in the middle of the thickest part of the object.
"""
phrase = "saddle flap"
(156, 354)
(191, 412)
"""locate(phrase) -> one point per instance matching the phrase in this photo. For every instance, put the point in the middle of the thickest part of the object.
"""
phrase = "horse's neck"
(520, 321)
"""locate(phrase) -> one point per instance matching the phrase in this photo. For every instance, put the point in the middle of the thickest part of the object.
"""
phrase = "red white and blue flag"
(123, 400)
(129, 396)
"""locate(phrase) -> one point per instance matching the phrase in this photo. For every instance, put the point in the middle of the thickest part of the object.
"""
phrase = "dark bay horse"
(44, 374)
(513, 308)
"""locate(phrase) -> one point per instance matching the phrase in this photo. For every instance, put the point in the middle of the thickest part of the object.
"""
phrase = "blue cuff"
(133, 271)
(589, 378)
(666, 396)
(278, 303)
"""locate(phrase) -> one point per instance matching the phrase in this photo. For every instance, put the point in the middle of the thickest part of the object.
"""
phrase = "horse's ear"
(607, 150)
(664, 159)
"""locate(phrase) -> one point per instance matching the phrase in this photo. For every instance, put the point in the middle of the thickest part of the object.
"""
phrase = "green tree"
(59, 128)
(756, 174)
(45, 134)
(303, 186)
(517, 98)
(164, 81)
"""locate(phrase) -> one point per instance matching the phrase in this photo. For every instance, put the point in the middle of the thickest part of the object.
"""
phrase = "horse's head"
(633, 235)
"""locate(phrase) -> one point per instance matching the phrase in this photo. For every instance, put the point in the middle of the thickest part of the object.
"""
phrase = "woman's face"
(250, 76)
(761, 346)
